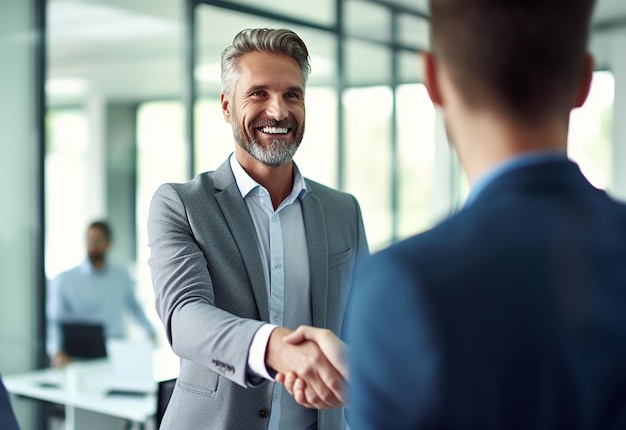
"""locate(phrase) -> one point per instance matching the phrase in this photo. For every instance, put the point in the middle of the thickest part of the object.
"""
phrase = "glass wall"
(67, 186)
(161, 157)
(590, 131)
(105, 156)
(416, 158)
(368, 113)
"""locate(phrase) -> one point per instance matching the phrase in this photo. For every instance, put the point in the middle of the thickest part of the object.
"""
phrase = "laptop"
(130, 367)
(83, 340)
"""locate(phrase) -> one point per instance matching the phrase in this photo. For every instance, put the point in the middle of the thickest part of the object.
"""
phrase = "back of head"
(277, 41)
(523, 57)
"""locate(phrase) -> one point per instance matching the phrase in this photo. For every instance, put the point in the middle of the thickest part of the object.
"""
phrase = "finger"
(310, 398)
(290, 380)
(317, 393)
(323, 387)
(299, 395)
(334, 383)
(296, 387)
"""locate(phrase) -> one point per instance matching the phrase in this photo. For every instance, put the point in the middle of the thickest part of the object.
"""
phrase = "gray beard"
(274, 155)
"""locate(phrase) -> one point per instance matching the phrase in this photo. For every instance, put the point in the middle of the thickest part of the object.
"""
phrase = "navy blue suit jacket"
(509, 315)
(7, 418)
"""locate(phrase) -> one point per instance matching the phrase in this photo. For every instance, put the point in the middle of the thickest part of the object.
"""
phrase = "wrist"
(275, 345)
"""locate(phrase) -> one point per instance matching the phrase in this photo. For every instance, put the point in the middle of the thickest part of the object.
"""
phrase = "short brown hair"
(525, 56)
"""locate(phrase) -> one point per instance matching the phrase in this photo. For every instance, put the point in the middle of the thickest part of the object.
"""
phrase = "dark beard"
(96, 258)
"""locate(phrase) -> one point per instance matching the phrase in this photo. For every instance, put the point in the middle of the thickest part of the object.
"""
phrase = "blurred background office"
(103, 100)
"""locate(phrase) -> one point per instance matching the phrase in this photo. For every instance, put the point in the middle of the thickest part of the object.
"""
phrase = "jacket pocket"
(199, 380)
(339, 259)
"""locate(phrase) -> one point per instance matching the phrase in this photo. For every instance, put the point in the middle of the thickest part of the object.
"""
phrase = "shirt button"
(275, 318)
(277, 266)
(274, 218)
(264, 413)
(274, 397)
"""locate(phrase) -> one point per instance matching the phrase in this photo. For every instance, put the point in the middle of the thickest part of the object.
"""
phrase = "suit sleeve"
(393, 356)
(196, 328)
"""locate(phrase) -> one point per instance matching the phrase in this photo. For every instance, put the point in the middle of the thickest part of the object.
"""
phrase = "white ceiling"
(133, 49)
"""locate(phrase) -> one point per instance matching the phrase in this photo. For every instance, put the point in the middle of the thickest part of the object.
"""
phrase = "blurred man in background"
(97, 291)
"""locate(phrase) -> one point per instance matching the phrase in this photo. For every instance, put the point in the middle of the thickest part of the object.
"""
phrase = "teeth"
(275, 130)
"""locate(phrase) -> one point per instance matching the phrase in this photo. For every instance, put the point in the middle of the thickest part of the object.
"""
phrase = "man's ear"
(431, 79)
(225, 102)
(585, 82)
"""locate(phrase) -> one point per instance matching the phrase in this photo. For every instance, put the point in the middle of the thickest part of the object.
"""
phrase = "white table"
(82, 389)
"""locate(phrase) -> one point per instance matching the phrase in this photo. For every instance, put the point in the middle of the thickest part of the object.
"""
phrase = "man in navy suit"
(511, 314)
(7, 418)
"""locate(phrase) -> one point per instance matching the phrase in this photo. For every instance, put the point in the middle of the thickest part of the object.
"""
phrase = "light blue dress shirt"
(84, 294)
(282, 243)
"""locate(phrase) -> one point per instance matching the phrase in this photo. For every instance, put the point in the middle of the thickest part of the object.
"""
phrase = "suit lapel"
(242, 228)
(315, 227)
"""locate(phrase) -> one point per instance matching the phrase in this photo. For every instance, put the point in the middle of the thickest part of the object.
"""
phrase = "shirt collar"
(246, 184)
(511, 164)
(88, 269)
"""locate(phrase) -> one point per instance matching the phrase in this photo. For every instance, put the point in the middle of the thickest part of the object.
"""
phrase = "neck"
(98, 264)
(277, 180)
(483, 141)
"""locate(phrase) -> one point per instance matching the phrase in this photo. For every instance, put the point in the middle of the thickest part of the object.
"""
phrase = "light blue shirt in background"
(84, 294)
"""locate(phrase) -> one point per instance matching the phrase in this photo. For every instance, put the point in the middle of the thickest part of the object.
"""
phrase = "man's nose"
(276, 108)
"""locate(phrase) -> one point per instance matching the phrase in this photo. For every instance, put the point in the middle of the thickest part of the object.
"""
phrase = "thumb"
(295, 337)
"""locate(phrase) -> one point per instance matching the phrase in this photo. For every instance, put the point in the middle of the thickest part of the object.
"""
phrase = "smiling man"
(244, 255)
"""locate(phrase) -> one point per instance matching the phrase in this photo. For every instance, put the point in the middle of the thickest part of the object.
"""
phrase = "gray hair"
(278, 41)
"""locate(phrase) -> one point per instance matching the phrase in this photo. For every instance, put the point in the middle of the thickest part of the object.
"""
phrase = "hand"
(60, 359)
(321, 385)
(333, 348)
(294, 386)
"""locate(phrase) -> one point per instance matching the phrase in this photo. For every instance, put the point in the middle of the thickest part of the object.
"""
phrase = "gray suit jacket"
(210, 292)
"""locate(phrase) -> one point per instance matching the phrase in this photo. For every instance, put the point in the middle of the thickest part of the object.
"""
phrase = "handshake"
(312, 364)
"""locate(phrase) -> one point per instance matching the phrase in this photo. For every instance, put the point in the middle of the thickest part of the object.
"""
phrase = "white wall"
(18, 188)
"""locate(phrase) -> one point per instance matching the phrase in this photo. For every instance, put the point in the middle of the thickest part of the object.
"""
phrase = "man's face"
(267, 107)
(97, 245)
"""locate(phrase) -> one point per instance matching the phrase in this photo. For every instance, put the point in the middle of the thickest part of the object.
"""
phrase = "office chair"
(164, 392)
